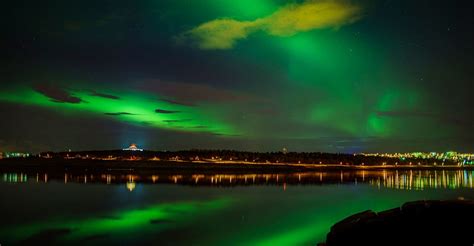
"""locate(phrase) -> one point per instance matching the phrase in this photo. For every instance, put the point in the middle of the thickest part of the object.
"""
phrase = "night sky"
(259, 75)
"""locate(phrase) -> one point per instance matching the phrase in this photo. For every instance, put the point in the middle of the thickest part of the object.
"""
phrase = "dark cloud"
(164, 111)
(199, 127)
(192, 93)
(178, 103)
(56, 93)
(119, 113)
(98, 94)
(176, 121)
(225, 135)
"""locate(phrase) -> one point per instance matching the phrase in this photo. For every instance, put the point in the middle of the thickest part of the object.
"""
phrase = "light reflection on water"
(398, 179)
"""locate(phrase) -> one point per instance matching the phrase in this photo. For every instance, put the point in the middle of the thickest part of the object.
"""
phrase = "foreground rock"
(421, 222)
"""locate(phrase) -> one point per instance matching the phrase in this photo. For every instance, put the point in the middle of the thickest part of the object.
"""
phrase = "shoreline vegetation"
(55, 164)
(213, 161)
(230, 174)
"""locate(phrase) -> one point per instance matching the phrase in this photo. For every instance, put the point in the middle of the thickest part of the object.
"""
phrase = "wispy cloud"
(404, 114)
(120, 113)
(199, 127)
(287, 21)
(178, 102)
(164, 111)
(176, 121)
(192, 94)
(104, 95)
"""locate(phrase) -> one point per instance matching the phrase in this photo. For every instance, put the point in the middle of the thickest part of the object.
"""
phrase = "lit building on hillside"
(133, 147)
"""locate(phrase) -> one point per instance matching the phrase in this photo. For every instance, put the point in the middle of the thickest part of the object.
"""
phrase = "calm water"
(198, 209)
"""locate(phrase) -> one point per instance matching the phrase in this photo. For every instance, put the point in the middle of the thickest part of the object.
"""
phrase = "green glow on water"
(121, 223)
(251, 215)
(297, 236)
(307, 226)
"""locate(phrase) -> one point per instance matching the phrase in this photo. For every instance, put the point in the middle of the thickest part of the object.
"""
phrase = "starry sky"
(310, 75)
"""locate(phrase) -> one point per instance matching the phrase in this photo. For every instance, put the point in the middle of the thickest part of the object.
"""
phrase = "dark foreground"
(414, 223)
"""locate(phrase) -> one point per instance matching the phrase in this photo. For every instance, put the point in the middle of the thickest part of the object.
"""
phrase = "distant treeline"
(242, 156)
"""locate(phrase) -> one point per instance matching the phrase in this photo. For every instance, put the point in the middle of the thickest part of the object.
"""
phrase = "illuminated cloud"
(222, 33)
(286, 21)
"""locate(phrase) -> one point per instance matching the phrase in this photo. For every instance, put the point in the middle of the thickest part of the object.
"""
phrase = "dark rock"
(420, 222)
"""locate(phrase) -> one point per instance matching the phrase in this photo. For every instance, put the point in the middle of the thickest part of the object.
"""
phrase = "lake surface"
(205, 209)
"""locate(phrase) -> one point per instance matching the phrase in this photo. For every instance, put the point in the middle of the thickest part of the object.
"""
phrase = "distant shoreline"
(28, 164)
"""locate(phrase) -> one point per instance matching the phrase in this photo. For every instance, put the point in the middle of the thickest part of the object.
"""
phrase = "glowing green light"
(132, 107)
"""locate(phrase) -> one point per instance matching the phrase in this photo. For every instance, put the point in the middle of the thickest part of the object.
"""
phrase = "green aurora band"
(133, 107)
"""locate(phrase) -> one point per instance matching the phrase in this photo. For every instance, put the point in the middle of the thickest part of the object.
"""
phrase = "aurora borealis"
(259, 75)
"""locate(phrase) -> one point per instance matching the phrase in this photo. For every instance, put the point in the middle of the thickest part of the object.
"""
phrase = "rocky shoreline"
(420, 222)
